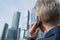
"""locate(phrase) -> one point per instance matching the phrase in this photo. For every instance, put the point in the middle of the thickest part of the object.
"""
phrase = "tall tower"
(13, 31)
(15, 22)
(25, 26)
(4, 31)
(28, 18)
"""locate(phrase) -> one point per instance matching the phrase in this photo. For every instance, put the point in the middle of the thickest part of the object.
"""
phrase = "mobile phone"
(38, 23)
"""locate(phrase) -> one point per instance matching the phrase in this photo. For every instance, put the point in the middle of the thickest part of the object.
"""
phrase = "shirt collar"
(48, 30)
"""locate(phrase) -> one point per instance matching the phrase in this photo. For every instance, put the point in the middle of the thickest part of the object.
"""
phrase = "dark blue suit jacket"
(53, 34)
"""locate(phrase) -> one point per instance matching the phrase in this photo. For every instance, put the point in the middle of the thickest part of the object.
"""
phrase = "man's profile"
(48, 13)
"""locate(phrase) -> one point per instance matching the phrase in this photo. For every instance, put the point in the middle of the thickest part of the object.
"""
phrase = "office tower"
(4, 31)
(15, 22)
(12, 32)
(25, 26)
(26, 34)
(28, 18)
(26, 31)
(25, 20)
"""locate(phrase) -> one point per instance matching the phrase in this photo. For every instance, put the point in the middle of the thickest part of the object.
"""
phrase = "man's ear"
(39, 18)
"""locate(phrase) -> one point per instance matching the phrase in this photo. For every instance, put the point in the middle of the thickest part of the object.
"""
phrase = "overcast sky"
(8, 7)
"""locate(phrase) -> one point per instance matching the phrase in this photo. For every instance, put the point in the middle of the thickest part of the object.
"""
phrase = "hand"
(33, 32)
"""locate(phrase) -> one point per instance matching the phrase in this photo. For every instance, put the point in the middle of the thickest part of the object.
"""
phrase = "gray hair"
(48, 10)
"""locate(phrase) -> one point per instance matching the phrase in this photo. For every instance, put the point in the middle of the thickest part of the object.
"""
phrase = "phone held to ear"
(38, 23)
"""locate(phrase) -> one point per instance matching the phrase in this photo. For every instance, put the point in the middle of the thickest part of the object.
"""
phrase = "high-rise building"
(25, 26)
(13, 31)
(28, 18)
(25, 21)
(4, 31)
(15, 22)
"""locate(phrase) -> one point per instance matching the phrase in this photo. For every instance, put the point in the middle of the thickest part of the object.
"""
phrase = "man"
(48, 14)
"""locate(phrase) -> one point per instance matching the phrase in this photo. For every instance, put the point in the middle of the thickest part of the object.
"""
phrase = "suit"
(53, 34)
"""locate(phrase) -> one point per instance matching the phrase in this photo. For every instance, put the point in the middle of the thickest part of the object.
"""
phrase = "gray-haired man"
(48, 12)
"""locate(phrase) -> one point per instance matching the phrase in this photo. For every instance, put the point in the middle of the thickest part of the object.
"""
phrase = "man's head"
(48, 10)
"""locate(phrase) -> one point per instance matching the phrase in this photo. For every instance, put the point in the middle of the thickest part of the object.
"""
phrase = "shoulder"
(53, 37)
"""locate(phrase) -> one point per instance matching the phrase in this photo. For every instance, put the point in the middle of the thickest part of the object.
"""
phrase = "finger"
(34, 26)
(30, 28)
(37, 30)
(31, 25)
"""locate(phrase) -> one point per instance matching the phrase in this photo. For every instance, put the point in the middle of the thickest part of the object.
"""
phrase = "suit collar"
(53, 31)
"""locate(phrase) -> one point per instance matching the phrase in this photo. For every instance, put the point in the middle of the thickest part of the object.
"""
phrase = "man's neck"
(48, 27)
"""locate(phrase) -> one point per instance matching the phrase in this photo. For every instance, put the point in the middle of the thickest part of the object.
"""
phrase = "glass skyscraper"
(15, 21)
(13, 31)
(4, 31)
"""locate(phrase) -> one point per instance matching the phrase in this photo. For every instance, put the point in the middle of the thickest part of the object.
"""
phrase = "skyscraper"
(25, 26)
(4, 31)
(28, 18)
(12, 32)
(25, 20)
(15, 22)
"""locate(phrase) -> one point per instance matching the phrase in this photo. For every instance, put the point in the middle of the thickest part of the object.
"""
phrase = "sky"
(9, 7)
